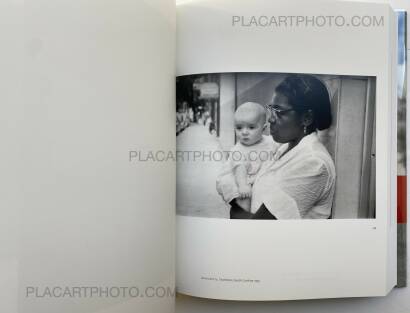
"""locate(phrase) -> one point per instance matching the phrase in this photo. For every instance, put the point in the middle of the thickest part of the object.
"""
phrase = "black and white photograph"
(276, 146)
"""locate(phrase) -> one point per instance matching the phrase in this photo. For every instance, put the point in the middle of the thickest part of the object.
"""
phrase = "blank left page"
(97, 229)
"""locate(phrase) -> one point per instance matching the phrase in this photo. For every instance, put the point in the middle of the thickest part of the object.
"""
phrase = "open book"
(283, 173)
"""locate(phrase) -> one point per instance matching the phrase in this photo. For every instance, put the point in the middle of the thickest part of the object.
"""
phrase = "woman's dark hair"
(304, 93)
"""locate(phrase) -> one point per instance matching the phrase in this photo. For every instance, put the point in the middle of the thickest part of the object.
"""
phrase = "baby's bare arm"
(241, 175)
(244, 188)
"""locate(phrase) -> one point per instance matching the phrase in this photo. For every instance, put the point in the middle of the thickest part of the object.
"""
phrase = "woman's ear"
(307, 118)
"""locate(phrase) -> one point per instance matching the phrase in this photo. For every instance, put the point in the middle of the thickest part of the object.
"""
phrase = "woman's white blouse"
(297, 184)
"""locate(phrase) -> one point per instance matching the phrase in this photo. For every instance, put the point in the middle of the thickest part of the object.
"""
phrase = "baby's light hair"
(254, 106)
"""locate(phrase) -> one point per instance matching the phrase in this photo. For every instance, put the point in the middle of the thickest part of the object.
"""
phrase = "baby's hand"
(244, 204)
(245, 191)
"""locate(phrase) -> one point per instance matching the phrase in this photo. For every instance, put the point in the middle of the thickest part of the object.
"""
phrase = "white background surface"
(398, 301)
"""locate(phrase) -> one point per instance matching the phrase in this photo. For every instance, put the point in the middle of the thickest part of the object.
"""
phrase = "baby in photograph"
(252, 151)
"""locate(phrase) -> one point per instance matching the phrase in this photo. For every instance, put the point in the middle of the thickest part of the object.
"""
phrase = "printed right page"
(286, 149)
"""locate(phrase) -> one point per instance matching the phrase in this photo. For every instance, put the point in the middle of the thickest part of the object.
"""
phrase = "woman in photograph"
(299, 181)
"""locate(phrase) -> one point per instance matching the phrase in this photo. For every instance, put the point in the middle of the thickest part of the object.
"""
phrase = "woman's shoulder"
(317, 156)
(312, 166)
(311, 156)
